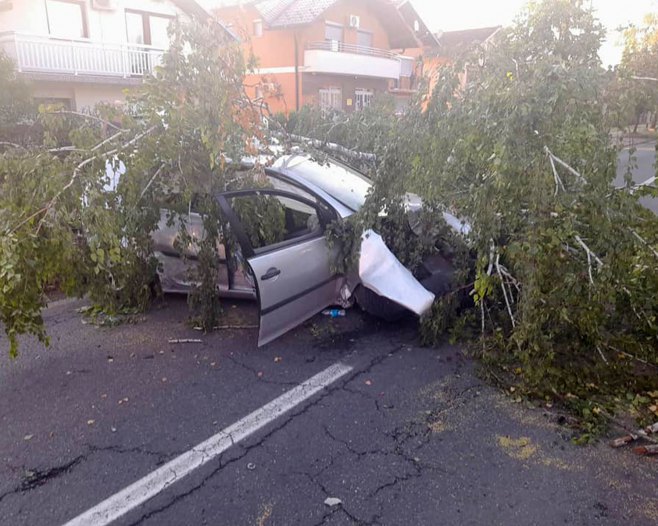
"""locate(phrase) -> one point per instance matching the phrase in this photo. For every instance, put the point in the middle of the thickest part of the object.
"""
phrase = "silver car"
(287, 266)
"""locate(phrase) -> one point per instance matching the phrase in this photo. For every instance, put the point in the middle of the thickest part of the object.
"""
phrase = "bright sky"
(449, 15)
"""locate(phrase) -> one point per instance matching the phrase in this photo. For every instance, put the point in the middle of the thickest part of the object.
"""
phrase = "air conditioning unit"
(355, 21)
(335, 45)
(103, 4)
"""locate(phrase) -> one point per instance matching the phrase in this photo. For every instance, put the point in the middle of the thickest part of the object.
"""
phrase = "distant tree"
(638, 70)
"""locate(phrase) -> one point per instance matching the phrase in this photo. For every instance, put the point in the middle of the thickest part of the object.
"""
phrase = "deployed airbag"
(382, 272)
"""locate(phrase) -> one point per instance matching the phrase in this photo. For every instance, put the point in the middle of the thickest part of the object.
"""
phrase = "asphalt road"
(409, 436)
(642, 166)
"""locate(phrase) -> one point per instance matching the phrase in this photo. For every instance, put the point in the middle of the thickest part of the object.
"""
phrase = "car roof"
(293, 167)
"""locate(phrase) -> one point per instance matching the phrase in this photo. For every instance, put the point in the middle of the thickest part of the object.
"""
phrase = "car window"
(341, 182)
(280, 184)
(268, 219)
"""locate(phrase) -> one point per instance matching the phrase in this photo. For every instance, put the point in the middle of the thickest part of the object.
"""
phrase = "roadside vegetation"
(557, 289)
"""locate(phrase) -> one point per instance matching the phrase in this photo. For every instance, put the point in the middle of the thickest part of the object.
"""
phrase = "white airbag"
(381, 272)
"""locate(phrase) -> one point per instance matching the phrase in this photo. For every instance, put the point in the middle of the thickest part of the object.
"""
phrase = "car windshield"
(341, 182)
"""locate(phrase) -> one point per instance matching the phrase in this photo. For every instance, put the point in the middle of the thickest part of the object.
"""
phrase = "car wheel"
(378, 306)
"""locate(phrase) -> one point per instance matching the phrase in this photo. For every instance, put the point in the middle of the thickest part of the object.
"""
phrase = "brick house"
(331, 53)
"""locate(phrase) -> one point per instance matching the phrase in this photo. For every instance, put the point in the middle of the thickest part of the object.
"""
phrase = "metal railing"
(36, 53)
(342, 47)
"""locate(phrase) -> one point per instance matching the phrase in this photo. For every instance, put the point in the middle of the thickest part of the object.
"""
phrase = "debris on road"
(334, 313)
(229, 327)
(332, 501)
(631, 437)
(185, 340)
(646, 450)
(251, 466)
(28, 437)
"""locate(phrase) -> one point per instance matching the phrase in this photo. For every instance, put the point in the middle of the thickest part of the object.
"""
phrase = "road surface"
(399, 433)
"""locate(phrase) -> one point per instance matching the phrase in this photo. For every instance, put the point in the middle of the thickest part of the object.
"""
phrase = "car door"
(281, 235)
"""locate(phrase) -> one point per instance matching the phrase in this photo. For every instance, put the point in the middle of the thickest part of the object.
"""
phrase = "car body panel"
(304, 287)
(294, 277)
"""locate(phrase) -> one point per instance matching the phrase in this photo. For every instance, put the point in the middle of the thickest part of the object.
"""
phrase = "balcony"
(80, 58)
(339, 58)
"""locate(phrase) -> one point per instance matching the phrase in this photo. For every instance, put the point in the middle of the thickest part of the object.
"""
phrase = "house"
(81, 52)
(336, 54)
(448, 46)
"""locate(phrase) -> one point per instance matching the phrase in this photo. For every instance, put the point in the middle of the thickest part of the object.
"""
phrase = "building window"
(258, 28)
(364, 38)
(363, 98)
(331, 99)
(147, 28)
(66, 19)
(333, 32)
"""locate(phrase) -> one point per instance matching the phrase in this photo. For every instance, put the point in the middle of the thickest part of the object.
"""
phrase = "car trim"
(299, 295)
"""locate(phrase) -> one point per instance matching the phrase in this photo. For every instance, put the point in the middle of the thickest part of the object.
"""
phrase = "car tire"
(155, 287)
(378, 306)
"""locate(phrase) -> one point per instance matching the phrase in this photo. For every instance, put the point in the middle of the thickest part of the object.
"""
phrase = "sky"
(447, 15)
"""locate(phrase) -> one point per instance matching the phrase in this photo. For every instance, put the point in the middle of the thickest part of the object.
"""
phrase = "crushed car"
(286, 263)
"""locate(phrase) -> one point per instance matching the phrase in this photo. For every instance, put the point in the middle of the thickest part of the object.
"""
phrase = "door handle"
(272, 272)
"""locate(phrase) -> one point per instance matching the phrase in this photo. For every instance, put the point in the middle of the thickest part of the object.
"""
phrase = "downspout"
(296, 72)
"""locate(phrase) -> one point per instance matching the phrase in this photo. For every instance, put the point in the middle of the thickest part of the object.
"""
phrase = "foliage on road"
(68, 215)
(564, 304)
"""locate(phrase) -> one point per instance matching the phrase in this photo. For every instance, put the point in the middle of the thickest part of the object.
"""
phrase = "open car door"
(281, 235)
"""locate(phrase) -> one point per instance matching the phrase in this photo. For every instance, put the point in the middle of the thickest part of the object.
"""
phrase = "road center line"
(149, 486)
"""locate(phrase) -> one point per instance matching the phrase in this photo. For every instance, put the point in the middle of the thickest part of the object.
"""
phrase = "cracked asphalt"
(410, 436)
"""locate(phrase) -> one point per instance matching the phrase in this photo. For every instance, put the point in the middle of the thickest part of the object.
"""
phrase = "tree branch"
(502, 284)
(13, 144)
(86, 116)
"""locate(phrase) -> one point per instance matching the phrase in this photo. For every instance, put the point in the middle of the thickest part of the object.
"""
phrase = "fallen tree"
(80, 196)
(564, 295)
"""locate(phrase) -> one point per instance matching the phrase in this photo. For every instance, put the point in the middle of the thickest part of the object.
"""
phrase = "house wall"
(275, 51)
(348, 85)
(30, 16)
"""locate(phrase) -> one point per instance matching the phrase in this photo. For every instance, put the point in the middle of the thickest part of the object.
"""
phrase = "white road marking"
(148, 487)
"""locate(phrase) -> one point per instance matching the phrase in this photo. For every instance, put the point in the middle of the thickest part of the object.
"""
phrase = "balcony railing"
(337, 58)
(39, 54)
(342, 47)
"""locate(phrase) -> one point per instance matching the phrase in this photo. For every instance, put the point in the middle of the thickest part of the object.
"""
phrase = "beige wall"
(29, 16)
(87, 96)
(82, 96)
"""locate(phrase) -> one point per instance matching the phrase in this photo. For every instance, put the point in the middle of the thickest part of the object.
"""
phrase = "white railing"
(34, 53)
(342, 47)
